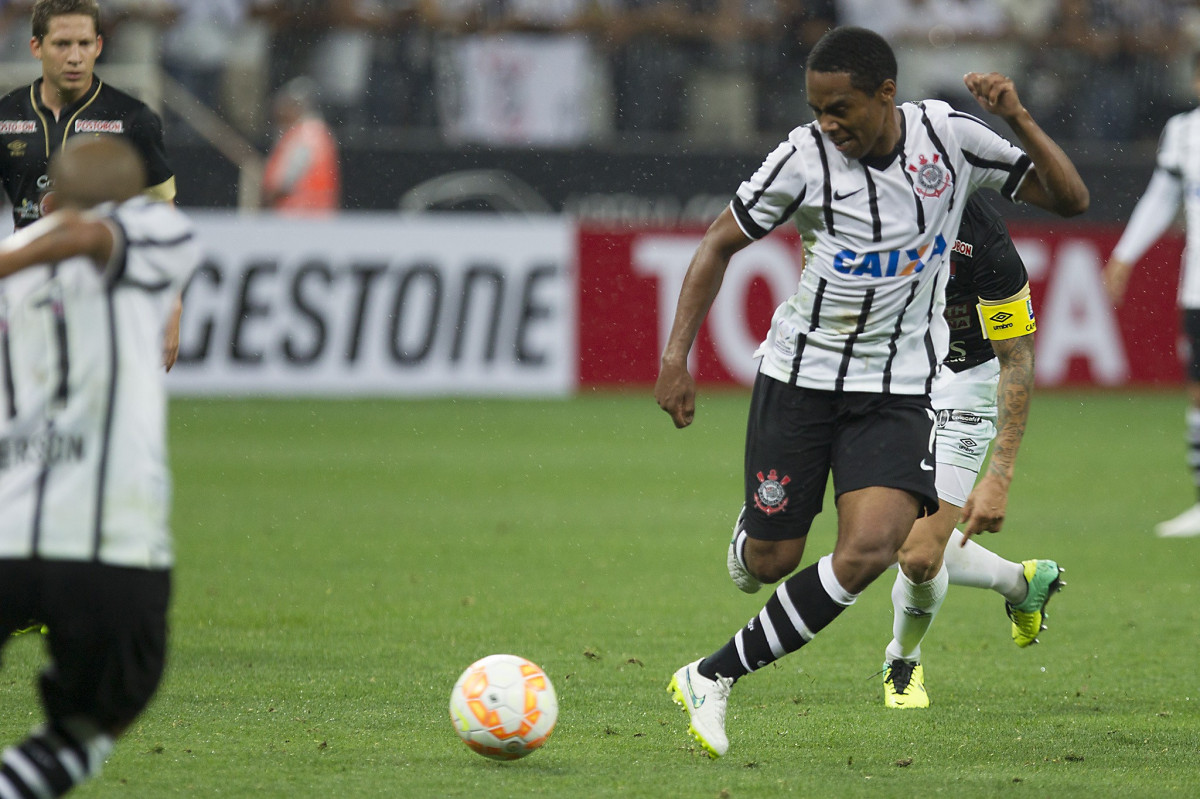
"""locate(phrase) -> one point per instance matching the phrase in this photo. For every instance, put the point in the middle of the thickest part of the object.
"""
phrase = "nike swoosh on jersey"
(839, 196)
(926, 466)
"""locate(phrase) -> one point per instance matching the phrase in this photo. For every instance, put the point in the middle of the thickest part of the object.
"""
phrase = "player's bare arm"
(675, 389)
(171, 334)
(987, 504)
(61, 235)
(1054, 183)
(1116, 279)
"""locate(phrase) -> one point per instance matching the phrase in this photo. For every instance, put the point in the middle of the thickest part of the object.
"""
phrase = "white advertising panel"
(373, 304)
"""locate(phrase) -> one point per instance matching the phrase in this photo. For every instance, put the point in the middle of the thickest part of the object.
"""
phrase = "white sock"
(739, 547)
(973, 565)
(914, 606)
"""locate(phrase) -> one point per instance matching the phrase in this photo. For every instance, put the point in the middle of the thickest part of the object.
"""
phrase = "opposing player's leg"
(917, 595)
(1026, 587)
(966, 425)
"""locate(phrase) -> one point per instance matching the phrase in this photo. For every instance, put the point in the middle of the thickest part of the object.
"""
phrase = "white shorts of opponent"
(965, 404)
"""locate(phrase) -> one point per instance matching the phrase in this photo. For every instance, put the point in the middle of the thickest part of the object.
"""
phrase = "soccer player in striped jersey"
(1176, 177)
(990, 315)
(877, 190)
(84, 544)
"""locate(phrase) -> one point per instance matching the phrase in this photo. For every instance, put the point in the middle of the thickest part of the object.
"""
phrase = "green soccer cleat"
(904, 685)
(34, 627)
(1029, 617)
(705, 701)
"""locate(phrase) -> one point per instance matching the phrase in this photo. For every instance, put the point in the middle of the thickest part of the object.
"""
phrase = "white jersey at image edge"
(867, 315)
(1176, 177)
(83, 468)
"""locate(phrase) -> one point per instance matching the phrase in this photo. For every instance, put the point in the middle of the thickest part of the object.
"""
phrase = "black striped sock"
(50, 762)
(798, 609)
(1193, 440)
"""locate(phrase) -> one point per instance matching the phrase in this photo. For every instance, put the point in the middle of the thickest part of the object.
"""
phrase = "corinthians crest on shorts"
(771, 498)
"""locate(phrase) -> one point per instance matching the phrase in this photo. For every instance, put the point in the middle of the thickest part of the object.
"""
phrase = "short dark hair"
(862, 53)
(45, 10)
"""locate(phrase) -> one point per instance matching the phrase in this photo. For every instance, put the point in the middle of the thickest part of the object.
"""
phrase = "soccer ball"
(503, 707)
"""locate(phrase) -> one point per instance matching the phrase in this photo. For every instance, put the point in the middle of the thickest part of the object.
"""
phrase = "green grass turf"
(340, 563)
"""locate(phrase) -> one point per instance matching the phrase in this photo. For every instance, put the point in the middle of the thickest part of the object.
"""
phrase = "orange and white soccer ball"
(503, 707)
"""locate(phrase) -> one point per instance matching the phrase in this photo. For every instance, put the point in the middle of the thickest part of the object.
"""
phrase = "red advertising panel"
(629, 281)
(1081, 338)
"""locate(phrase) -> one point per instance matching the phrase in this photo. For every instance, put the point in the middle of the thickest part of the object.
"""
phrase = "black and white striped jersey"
(867, 315)
(1176, 177)
(83, 470)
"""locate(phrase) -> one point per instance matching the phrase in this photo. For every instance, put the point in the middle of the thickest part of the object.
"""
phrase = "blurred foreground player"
(84, 544)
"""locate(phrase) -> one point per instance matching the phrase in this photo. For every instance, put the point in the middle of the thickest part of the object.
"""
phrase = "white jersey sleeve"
(773, 193)
(151, 236)
(998, 164)
(1158, 205)
(1151, 217)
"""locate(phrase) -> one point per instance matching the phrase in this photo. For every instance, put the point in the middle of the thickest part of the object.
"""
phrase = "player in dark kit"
(69, 100)
(37, 120)
(981, 395)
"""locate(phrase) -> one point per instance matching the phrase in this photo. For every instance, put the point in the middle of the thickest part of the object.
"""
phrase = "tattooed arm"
(986, 506)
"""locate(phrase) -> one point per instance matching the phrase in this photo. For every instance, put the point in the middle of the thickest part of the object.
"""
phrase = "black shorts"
(107, 638)
(1191, 331)
(797, 436)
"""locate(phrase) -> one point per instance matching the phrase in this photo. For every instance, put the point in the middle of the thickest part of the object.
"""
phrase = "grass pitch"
(340, 563)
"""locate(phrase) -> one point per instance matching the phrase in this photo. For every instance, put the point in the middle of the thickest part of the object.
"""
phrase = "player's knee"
(771, 566)
(920, 565)
(771, 572)
(857, 566)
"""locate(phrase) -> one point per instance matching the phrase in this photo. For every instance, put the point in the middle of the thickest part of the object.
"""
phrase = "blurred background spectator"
(465, 79)
(302, 174)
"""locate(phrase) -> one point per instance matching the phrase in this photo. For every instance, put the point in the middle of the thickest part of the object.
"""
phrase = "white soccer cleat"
(742, 578)
(705, 701)
(1185, 525)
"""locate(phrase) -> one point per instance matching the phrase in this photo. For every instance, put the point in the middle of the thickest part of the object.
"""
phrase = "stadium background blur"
(662, 103)
(616, 130)
(302, 668)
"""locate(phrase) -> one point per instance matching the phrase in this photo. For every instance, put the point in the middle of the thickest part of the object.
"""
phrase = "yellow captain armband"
(1008, 318)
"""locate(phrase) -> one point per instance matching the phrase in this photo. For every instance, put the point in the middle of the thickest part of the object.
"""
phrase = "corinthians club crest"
(770, 497)
(930, 178)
